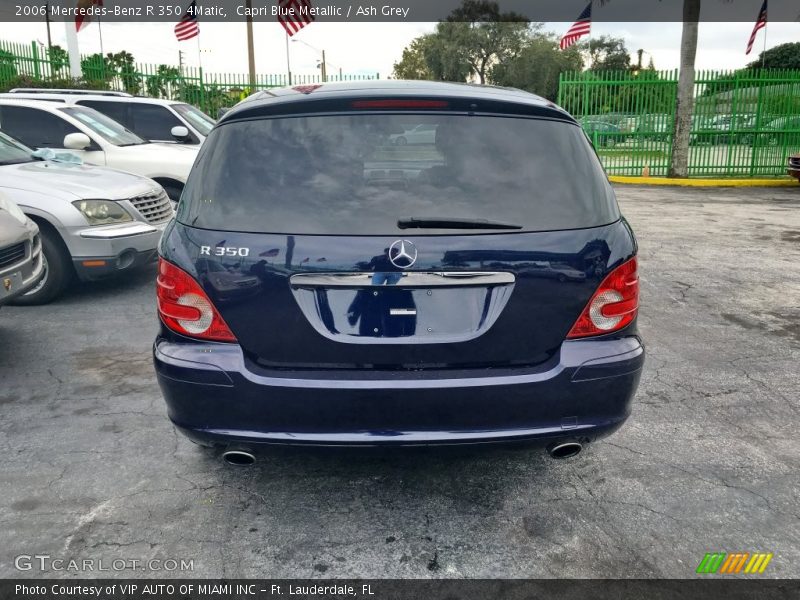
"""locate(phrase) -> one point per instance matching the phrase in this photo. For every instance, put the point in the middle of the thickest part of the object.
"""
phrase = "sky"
(370, 48)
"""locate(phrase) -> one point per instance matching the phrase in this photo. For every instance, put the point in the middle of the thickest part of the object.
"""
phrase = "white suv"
(97, 139)
(93, 222)
(150, 118)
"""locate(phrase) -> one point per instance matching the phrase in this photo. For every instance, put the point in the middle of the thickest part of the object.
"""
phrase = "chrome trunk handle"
(411, 279)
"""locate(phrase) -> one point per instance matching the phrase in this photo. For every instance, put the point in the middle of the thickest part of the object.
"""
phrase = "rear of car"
(480, 287)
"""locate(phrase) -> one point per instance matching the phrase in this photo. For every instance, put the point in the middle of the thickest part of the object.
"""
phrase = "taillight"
(185, 308)
(613, 305)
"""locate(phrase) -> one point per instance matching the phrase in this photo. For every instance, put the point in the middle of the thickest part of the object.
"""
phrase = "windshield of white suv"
(106, 128)
(199, 120)
(12, 152)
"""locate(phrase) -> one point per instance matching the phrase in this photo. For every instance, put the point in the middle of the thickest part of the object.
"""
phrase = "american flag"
(299, 18)
(187, 27)
(761, 22)
(579, 28)
(83, 20)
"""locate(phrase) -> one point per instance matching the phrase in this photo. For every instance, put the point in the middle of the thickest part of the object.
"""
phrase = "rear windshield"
(360, 174)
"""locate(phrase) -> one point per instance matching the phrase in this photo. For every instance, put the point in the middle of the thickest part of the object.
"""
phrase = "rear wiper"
(449, 223)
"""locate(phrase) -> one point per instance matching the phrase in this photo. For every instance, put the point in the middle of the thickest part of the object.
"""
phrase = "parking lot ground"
(709, 460)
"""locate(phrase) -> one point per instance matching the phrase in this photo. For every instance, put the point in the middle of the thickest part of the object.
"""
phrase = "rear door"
(334, 247)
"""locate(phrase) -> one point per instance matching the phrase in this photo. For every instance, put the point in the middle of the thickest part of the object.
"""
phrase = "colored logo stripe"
(734, 562)
(758, 563)
(711, 562)
(724, 563)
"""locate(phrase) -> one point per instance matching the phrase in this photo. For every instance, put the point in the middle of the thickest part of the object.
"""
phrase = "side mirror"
(179, 132)
(77, 141)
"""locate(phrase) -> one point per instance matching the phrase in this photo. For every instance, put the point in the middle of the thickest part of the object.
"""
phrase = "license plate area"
(396, 308)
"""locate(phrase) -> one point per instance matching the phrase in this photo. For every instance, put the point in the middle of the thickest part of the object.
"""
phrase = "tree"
(480, 35)
(538, 65)
(8, 65)
(785, 56)
(608, 53)
(96, 67)
(123, 66)
(58, 58)
(445, 60)
(684, 104)
(412, 64)
(474, 38)
(160, 84)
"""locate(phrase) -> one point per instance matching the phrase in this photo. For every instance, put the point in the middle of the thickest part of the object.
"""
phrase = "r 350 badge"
(223, 251)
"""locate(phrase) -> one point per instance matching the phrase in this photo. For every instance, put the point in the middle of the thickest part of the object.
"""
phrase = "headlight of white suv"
(102, 212)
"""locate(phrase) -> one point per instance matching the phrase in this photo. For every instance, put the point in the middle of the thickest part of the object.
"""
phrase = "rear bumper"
(215, 395)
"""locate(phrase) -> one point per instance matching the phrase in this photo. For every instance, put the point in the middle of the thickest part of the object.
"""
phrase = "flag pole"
(100, 32)
(764, 52)
(288, 64)
(199, 57)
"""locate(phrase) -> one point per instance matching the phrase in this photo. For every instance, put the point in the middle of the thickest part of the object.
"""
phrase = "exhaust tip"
(238, 457)
(564, 449)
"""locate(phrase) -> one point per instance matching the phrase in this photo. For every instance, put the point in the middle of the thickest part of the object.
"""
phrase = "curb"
(776, 182)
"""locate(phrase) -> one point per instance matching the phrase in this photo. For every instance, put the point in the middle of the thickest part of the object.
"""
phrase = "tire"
(174, 192)
(58, 272)
(400, 141)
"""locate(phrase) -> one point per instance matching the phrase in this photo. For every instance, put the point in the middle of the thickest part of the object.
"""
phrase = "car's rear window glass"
(359, 174)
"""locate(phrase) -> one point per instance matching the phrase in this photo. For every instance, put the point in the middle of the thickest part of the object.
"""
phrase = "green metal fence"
(34, 65)
(745, 123)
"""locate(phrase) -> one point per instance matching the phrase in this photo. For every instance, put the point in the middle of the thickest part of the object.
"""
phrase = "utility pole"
(49, 38)
(251, 59)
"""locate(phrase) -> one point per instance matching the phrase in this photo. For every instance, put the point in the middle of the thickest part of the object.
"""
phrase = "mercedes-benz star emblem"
(403, 254)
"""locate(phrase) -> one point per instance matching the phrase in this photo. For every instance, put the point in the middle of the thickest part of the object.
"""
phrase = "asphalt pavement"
(709, 460)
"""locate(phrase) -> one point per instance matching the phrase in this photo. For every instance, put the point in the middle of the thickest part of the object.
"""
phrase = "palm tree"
(684, 105)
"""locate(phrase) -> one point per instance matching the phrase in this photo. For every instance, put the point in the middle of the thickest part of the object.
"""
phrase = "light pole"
(640, 52)
(323, 63)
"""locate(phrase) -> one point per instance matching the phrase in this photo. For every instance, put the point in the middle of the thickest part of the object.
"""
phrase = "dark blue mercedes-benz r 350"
(397, 263)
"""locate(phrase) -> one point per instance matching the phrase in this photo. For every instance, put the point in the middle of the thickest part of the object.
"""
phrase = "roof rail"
(76, 92)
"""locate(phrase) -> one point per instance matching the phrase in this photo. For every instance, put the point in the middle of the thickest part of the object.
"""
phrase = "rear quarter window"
(359, 173)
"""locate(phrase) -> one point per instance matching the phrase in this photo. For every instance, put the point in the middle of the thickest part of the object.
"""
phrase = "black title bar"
(132, 11)
(410, 589)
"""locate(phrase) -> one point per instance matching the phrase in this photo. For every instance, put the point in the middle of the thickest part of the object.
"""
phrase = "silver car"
(93, 221)
(21, 265)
